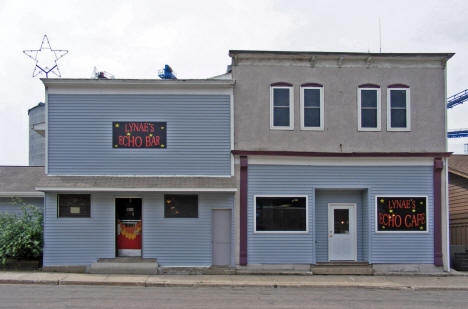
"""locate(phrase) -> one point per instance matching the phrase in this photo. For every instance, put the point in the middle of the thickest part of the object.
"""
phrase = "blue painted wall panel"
(173, 242)
(386, 180)
(9, 205)
(322, 198)
(80, 134)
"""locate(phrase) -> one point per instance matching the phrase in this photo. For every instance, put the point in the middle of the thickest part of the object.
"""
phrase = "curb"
(145, 283)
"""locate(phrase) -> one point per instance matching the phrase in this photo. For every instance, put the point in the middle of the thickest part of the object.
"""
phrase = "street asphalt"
(115, 297)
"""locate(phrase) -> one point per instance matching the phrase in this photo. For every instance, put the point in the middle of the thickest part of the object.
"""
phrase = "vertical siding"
(36, 140)
(385, 180)
(8, 205)
(322, 198)
(458, 199)
(80, 134)
(173, 242)
(182, 241)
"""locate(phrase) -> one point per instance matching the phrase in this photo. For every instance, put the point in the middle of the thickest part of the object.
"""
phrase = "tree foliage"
(21, 235)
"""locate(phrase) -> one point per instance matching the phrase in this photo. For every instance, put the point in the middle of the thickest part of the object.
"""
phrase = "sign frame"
(376, 219)
(162, 146)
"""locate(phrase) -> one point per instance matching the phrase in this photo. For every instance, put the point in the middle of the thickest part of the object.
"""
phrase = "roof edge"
(136, 82)
(446, 56)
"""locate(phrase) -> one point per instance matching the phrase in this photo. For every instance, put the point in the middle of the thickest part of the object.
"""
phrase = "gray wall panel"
(80, 134)
(386, 180)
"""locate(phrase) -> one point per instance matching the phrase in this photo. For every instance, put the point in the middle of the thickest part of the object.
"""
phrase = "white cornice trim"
(103, 189)
(390, 161)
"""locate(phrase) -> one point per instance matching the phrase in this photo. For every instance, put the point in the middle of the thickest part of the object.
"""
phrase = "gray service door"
(221, 237)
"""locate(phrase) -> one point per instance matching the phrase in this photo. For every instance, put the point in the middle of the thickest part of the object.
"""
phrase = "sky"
(134, 39)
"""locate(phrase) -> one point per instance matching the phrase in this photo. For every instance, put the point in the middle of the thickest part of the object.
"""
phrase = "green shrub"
(21, 235)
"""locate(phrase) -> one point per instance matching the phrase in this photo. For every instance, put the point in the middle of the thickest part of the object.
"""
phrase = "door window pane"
(281, 214)
(341, 221)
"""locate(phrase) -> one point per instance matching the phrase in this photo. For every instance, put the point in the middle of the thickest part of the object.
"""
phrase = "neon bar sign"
(139, 134)
(402, 214)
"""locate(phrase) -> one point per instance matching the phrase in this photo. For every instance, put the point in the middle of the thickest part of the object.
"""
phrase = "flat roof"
(137, 82)
(328, 53)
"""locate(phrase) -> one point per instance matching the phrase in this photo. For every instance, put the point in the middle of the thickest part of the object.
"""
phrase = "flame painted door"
(129, 226)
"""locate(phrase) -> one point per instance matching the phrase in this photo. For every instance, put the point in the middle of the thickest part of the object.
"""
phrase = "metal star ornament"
(46, 58)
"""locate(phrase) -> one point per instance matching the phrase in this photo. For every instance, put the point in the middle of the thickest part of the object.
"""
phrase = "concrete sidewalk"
(315, 281)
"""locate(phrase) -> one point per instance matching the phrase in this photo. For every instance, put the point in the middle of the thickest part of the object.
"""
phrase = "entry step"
(124, 265)
(342, 268)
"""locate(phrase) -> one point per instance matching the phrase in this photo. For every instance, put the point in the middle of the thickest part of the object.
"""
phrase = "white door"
(342, 232)
(221, 237)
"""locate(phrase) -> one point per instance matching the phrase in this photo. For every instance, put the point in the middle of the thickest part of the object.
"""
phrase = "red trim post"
(243, 209)
(438, 166)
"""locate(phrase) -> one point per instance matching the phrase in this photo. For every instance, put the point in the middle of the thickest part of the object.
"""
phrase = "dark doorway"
(128, 226)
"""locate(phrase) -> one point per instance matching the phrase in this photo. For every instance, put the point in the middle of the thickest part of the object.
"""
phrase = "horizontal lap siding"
(385, 180)
(14, 205)
(79, 241)
(80, 134)
(172, 241)
(182, 241)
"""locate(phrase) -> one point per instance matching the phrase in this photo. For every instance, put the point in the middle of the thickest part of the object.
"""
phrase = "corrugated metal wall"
(9, 205)
(173, 242)
(386, 180)
(458, 201)
(80, 134)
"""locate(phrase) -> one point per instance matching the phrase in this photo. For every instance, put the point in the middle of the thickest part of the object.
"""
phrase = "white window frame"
(280, 232)
(303, 127)
(379, 126)
(291, 108)
(408, 110)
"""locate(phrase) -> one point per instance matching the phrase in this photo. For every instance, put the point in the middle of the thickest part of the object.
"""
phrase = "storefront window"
(276, 214)
(180, 206)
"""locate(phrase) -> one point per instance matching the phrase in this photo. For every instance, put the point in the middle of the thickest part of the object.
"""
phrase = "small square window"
(312, 108)
(180, 206)
(398, 109)
(369, 109)
(281, 108)
(74, 205)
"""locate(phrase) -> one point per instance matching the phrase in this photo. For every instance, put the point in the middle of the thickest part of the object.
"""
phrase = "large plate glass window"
(281, 107)
(280, 214)
(369, 108)
(398, 111)
(312, 107)
(180, 206)
(74, 205)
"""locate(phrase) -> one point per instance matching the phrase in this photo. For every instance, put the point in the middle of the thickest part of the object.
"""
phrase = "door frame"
(116, 251)
(231, 249)
(352, 208)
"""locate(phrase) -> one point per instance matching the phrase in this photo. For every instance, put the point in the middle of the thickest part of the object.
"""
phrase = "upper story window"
(368, 99)
(312, 106)
(398, 108)
(281, 106)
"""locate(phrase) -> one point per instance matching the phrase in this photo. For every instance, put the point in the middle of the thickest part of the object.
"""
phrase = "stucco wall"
(252, 112)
